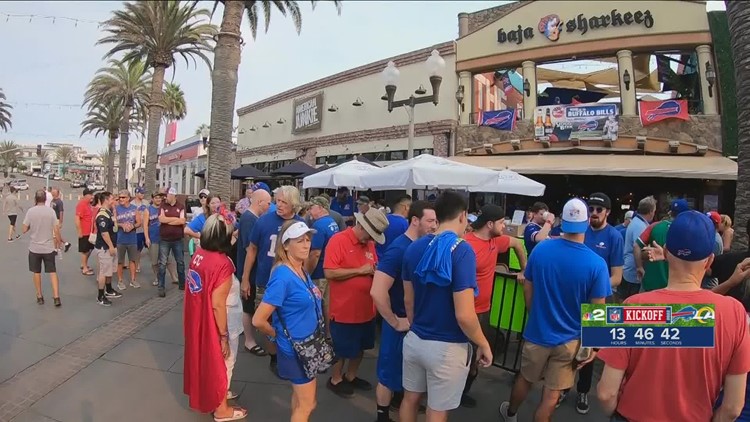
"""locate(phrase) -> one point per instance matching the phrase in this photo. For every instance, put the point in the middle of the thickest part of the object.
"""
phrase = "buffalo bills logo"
(664, 110)
(194, 282)
(588, 126)
(686, 313)
(498, 120)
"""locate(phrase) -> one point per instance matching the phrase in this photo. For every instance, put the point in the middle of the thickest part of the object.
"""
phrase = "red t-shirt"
(486, 252)
(168, 232)
(85, 212)
(351, 302)
(681, 384)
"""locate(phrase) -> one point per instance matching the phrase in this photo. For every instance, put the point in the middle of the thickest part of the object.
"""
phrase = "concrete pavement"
(83, 362)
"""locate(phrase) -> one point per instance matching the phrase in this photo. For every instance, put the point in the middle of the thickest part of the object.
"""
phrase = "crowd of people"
(323, 281)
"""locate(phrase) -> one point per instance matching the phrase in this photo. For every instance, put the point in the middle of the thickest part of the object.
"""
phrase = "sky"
(49, 58)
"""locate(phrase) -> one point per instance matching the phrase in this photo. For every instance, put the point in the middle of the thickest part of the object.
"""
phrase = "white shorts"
(437, 368)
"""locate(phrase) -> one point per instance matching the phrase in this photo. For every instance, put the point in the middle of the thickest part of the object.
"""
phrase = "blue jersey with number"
(263, 236)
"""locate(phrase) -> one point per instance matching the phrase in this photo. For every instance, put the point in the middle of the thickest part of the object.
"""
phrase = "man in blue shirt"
(325, 227)
(539, 226)
(397, 223)
(439, 276)
(561, 274)
(344, 205)
(388, 294)
(260, 200)
(631, 283)
(262, 247)
(622, 228)
(606, 242)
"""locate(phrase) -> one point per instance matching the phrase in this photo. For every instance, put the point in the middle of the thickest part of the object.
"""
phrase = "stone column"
(709, 101)
(466, 80)
(627, 95)
(529, 100)
(463, 24)
(440, 145)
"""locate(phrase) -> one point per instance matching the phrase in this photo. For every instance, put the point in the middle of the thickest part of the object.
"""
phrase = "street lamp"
(435, 65)
(710, 78)
(205, 134)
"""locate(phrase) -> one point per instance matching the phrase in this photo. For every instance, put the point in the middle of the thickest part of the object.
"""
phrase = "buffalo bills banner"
(565, 122)
(499, 119)
(656, 111)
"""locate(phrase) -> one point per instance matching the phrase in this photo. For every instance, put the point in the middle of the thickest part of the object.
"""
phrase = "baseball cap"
(342, 189)
(691, 236)
(321, 201)
(155, 194)
(472, 218)
(87, 191)
(295, 230)
(678, 206)
(600, 199)
(629, 215)
(488, 213)
(204, 192)
(714, 216)
(363, 200)
(140, 189)
(575, 217)
(172, 191)
(261, 185)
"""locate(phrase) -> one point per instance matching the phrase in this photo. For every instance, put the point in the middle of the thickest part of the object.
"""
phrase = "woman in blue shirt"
(291, 295)
(193, 229)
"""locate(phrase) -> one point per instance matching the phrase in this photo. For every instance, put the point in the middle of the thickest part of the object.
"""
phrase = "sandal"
(231, 395)
(89, 272)
(238, 413)
(40, 300)
(57, 301)
(257, 351)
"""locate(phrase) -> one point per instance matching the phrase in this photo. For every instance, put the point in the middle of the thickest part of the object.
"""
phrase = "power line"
(26, 105)
(31, 18)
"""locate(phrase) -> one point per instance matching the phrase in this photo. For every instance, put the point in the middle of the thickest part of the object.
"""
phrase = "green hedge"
(725, 74)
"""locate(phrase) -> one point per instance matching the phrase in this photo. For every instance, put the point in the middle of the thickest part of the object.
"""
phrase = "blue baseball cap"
(140, 189)
(575, 217)
(261, 185)
(678, 206)
(691, 236)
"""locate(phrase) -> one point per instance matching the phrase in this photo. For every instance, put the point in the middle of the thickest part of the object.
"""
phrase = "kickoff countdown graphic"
(644, 326)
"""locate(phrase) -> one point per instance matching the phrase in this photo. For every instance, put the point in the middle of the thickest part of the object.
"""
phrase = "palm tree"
(201, 127)
(104, 158)
(43, 158)
(9, 155)
(129, 81)
(65, 154)
(5, 115)
(156, 32)
(105, 118)
(738, 16)
(224, 78)
(175, 107)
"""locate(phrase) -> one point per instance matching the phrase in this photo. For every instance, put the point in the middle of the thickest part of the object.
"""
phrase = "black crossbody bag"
(314, 352)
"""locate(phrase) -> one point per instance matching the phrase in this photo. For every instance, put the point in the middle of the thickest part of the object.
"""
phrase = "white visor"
(295, 230)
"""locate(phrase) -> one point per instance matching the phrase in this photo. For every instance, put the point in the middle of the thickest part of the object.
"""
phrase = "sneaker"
(504, 412)
(11, 240)
(181, 287)
(155, 283)
(342, 389)
(67, 246)
(162, 292)
(563, 394)
(121, 285)
(360, 384)
(582, 403)
(104, 301)
(112, 293)
(468, 401)
(135, 284)
(18, 236)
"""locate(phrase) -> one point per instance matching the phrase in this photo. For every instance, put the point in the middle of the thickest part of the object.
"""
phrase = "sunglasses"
(202, 196)
(597, 210)
(124, 197)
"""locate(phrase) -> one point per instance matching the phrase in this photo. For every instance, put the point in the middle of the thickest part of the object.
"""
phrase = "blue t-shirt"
(391, 264)
(636, 227)
(621, 229)
(397, 226)
(325, 228)
(555, 232)
(346, 209)
(607, 243)
(528, 236)
(153, 224)
(434, 310)
(564, 275)
(263, 236)
(197, 223)
(272, 208)
(126, 215)
(299, 303)
(246, 223)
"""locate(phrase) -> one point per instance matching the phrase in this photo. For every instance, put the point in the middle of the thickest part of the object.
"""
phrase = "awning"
(681, 167)
(241, 173)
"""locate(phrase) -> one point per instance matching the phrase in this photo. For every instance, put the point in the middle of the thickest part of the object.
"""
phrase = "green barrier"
(507, 296)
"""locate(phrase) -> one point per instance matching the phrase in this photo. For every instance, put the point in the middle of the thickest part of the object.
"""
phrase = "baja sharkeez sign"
(565, 122)
(552, 26)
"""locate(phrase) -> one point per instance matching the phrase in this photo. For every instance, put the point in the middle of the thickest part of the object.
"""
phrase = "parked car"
(76, 184)
(20, 184)
(95, 186)
(35, 174)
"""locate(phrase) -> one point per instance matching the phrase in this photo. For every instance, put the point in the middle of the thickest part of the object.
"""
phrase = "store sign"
(565, 122)
(307, 113)
(552, 26)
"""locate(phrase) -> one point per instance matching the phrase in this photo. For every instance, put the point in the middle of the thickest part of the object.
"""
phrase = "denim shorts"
(290, 369)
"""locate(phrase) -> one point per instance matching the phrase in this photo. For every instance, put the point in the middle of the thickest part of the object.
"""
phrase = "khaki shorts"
(322, 285)
(105, 261)
(259, 291)
(554, 365)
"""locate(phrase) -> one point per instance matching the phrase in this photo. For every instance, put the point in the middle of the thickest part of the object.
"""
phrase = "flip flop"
(257, 351)
(89, 272)
(238, 413)
(231, 395)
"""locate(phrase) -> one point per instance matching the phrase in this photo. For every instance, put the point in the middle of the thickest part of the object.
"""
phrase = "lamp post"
(205, 134)
(434, 64)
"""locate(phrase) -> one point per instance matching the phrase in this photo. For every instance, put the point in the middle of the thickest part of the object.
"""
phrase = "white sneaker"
(504, 412)
(155, 283)
(135, 284)
(121, 285)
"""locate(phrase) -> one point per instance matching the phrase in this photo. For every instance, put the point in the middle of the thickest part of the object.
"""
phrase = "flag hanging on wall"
(655, 111)
(499, 119)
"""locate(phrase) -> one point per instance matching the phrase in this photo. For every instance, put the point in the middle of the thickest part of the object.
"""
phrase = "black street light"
(710, 78)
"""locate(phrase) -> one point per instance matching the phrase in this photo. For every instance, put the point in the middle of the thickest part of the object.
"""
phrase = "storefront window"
(498, 90)
(593, 80)
(669, 75)
(397, 155)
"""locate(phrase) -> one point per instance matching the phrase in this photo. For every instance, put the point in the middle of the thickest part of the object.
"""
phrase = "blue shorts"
(140, 241)
(350, 340)
(290, 369)
(390, 358)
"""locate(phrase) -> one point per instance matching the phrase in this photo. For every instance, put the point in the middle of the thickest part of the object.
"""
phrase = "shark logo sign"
(499, 119)
(656, 111)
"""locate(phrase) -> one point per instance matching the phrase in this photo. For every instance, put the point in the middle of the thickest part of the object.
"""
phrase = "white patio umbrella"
(427, 171)
(508, 181)
(346, 174)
